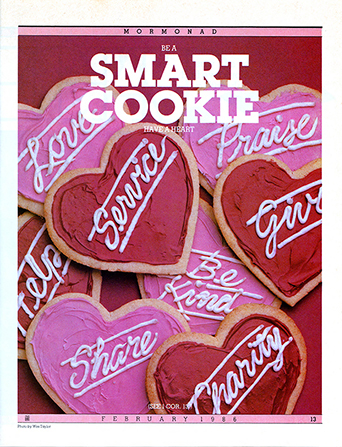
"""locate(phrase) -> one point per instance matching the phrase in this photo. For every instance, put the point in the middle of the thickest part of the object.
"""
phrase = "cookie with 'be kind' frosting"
(215, 282)
(136, 212)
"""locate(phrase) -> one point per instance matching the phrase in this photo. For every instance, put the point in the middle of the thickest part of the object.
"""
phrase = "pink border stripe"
(170, 31)
(181, 419)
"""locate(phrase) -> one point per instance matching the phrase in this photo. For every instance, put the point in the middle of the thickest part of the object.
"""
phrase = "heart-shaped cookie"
(44, 273)
(288, 127)
(271, 217)
(56, 138)
(215, 282)
(256, 364)
(137, 212)
(92, 361)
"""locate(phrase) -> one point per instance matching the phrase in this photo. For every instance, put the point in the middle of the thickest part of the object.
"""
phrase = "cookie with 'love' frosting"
(271, 217)
(287, 124)
(136, 212)
(255, 364)
(57, 138)
(91, 361)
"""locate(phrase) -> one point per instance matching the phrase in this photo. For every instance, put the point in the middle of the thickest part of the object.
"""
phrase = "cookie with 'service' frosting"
(56, 138)
(44, 273)
(289, 128)
(91, 361)
(271, 217)
(216, 281)
(136, 212)
(256, 364)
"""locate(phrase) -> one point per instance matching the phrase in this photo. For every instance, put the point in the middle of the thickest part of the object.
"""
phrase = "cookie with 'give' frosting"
(271, 217)
(136, 212)
(255, 364)
(45, 273)
(91, 361)
(288, 126)
(215, 282)
(57, 138)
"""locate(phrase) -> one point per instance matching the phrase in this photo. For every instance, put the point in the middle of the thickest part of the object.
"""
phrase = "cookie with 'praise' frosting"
(289, 127)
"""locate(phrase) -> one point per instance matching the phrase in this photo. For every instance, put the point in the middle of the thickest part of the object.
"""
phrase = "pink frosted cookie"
(289, 128)
(272, 218)
(44, 273)
(215, 283)
(256, 364)
(92, 361)
(137, 212)
(57, 138)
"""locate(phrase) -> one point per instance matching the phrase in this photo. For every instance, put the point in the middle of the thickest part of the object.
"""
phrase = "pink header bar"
(170, 31)
(183, 419)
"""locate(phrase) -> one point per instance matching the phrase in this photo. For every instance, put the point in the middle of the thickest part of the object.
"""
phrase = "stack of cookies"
(205, 335)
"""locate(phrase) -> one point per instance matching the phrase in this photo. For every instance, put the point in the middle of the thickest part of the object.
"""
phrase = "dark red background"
(273, 62)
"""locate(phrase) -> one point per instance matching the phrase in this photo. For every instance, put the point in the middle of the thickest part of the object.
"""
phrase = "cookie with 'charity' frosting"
(271, 217)
(91, 361)
(57, 138)
(255, 364)
(215, 282)
(45, 273)
(136, 212)
(289, 127)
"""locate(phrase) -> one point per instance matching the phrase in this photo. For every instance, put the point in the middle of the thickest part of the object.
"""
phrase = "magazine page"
(163, 232)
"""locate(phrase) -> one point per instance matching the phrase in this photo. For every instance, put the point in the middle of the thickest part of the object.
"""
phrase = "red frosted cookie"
(216, 281)
(256, 364)
(137, 212)
(271, 217)
(92, 361)
(44, 273)
(56, 138)
(289, 127)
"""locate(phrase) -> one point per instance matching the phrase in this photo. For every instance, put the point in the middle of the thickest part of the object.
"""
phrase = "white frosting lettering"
(266, 342)
(264, 137)
(292, 214)
(37, 285)
(58, 156)
(133, 194)
(107, 361)
(228, 287)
